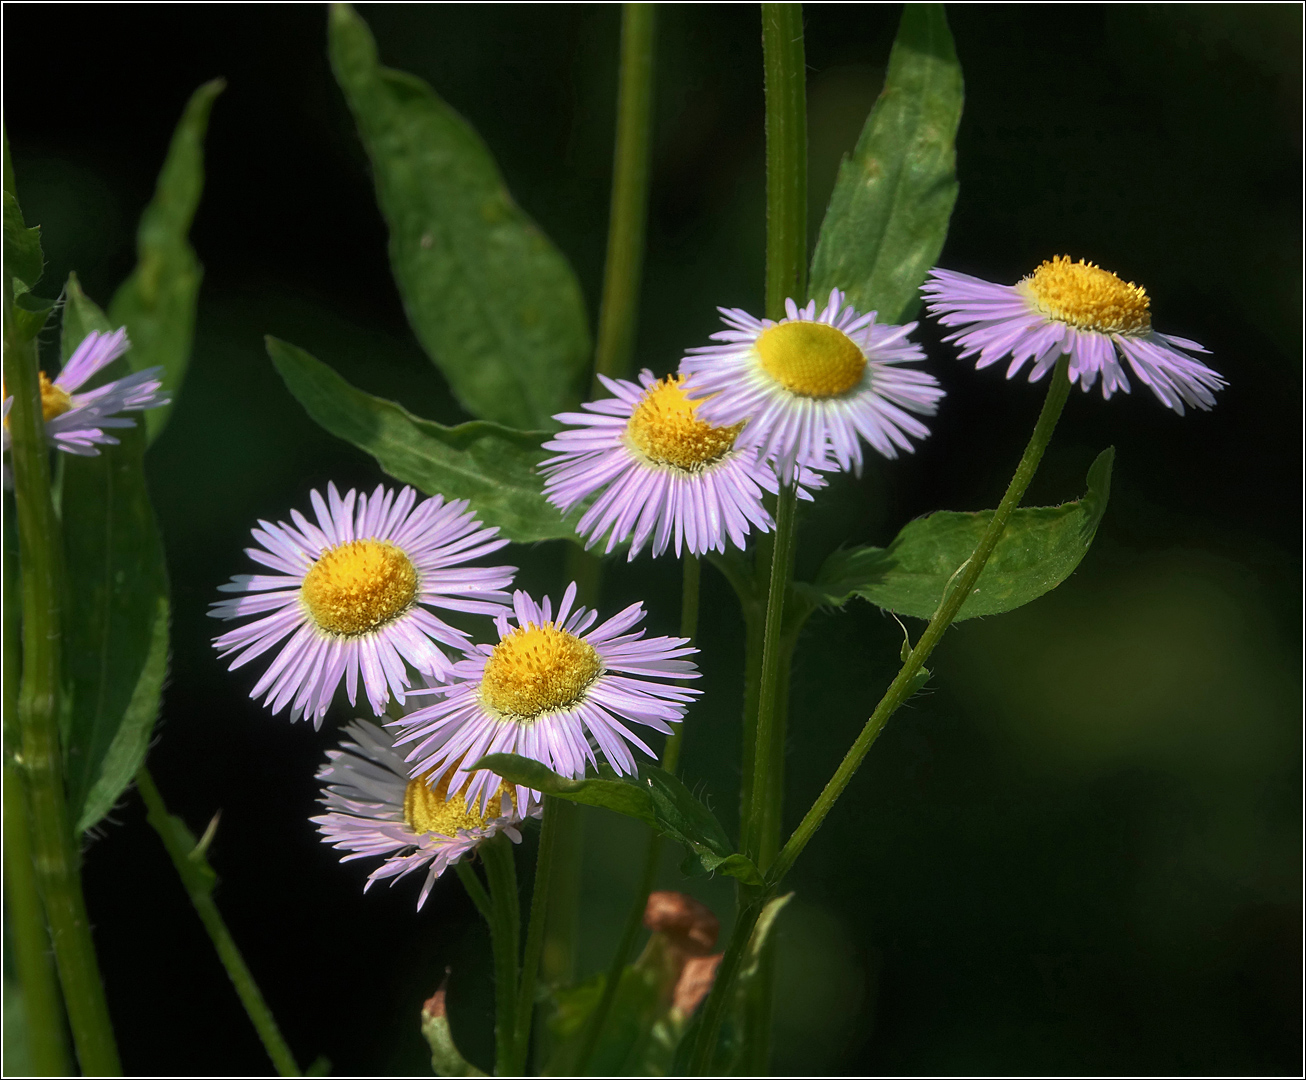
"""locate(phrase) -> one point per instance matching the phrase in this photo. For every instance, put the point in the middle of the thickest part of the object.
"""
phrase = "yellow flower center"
(665, 429)
(538, 669)
(431, 810)
(1088, 297)
(55, 400)
(356, 587)
(811, 359)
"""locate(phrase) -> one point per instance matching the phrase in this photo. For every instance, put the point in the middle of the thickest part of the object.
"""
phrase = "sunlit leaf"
(888, 215)
(157, 302)
(490, 465)
(1039, 549)
(116, 642)
(491, 299)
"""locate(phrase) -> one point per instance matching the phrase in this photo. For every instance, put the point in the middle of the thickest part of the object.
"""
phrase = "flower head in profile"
(375, 809)
(554, 688)
(352, 593)
(666, 476)
(814, 384)
(77, 421)
(1076, 308)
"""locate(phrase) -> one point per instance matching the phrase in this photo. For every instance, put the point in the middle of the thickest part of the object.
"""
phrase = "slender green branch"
(472, 883)
(535, 936)
(700, 1062)
(901, 687)
(198, 879)
(505, 941)
(619, 308)
(54, 851)
(786, 155)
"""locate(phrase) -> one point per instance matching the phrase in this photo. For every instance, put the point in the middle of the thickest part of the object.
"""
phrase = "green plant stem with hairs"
(534, 938)
(505, 943)
(53, 845)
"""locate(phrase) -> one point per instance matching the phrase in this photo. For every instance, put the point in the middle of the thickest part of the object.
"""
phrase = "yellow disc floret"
(538, 669)
(665, 428)
(431, 810)
(55, 400)
(356, 587)
(1088, 297)
(811, 359)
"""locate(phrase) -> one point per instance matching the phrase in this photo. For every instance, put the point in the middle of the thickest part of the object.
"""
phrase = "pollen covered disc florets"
(431, 810)
(356, 587)
(55, 400)
(538, 669)
(811, 359)
(665, 428)
(1087, 297)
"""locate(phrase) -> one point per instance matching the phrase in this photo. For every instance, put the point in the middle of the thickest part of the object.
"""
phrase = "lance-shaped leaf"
(1039, 549)
(888, 215)
(157, 302)
(490, 465)
(492, 300)
(116, 640)
(655, 797)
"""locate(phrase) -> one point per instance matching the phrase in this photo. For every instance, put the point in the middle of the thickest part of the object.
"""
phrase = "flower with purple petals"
(1076, 308)
(375, 809)
(75, 421)
(669, 477)
(352, 592)
(814, 384)
(551, 689)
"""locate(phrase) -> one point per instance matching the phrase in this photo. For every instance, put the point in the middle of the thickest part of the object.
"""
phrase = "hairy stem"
(505, 941)
(535, 937)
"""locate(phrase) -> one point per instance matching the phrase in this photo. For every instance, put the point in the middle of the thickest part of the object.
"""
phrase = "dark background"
(1080, 851)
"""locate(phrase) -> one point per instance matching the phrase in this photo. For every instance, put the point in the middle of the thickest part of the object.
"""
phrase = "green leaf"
(116, 647)
(23, 258)
(490, 465)
(492, 300)
(655, 797)
(1039, 549)
(157, 302)
(888, 215)
(31, 313)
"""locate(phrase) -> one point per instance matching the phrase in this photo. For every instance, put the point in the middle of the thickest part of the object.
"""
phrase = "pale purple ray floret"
(434, 539)
(999, 321)
(630, 686)
(363, 788)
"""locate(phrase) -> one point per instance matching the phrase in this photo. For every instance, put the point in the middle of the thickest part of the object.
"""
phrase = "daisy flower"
(670, 477)
(374, 808)
(814, 384)
(75, 421)
(352, 593)
(1076, 308)
(551, 689)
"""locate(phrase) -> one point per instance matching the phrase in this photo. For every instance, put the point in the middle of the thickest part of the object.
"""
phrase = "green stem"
(786, 155)
(535, 936)
(693, 575)
(472, 883)
(505, 934)
(619, 307)
(198, 881)
(43, 1008)
(700, 1062)
(54, 850)
(901, 687)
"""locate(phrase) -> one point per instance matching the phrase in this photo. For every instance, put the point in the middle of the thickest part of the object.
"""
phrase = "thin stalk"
(472, 883)
(700, 1062)
(753, 623)
(47, 1039)
(768, 760)
(505, 941)
(619, 306)
(54, 851)
(198, 881)
(535, 936)
(693, 575)
(786, 155)
(900, 689)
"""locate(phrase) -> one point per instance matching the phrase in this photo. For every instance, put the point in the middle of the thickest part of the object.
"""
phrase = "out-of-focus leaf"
(1039, 549)
(490, 465)
(655, 797)
(888, 215)
(492, 300)
(446, 1058)
(157, 302)
(116, 640)
(23, 258)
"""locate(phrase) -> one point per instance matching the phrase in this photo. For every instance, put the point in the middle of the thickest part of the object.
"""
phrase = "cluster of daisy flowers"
(679, 463)
(356, 595)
